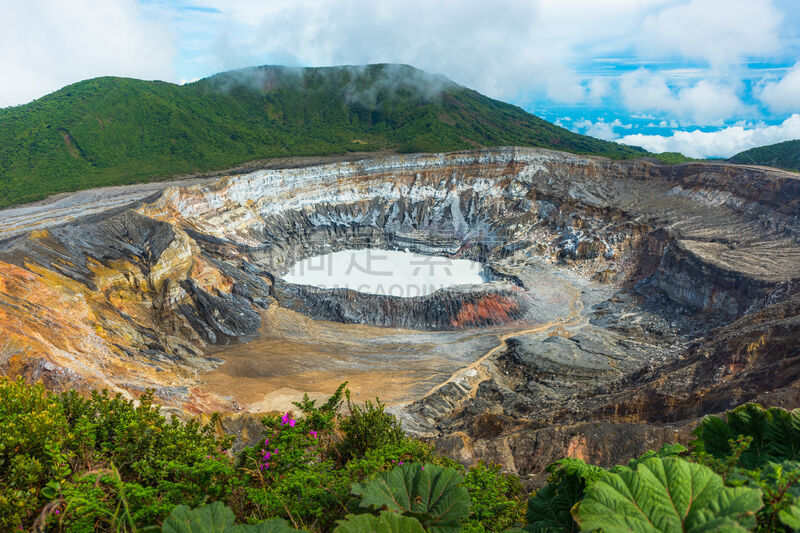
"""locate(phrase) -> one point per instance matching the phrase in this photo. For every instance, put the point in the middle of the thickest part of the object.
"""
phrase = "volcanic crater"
(623, 298)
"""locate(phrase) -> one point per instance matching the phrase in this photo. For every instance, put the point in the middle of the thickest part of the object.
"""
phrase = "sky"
(708, 78)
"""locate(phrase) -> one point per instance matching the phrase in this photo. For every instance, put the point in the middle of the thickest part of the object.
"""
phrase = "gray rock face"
(607, 274)
(451, 308)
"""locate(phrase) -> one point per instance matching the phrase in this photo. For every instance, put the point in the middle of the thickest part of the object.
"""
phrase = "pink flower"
(313, 433)
(292, 423)
(285, 419)
(401, 462)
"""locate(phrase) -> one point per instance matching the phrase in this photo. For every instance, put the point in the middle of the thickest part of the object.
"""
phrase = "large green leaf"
(217, 518)
(775, 433)
(549, 509)
(783, 435)
(386, 522)
(667, 450)
(431, 494)
(213, 518)
(790, 517)
(667, 494)
(273, 525)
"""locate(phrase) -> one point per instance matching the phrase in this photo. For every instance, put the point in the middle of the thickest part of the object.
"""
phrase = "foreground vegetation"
(111, 131)
(103, 463)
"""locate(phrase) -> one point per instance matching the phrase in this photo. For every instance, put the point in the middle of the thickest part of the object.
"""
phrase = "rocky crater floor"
(624, 299)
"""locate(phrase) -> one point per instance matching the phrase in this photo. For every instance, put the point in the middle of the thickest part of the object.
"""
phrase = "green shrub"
(388, 456)
(294, 473)
(304, 468)
(498, 500)
(779, 484)
(143, 444)
(77, 460)
(369, 426)
(34, 462)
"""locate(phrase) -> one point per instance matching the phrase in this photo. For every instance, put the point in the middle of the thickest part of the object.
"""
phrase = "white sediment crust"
(385, 272)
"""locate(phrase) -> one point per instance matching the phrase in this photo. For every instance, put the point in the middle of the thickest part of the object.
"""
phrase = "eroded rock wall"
(133, 297)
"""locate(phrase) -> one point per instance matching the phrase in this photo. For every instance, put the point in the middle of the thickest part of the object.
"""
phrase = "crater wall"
(655, 257)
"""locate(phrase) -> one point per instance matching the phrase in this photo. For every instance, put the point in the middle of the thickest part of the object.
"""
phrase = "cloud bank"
(688, 64)
(721, 143)
(682, 62)
(719, 32)
(783, 95)
(704, 102)
(45, 45)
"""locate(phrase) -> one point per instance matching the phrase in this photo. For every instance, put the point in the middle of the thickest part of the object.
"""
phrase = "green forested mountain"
(782, 155)
(110, 130)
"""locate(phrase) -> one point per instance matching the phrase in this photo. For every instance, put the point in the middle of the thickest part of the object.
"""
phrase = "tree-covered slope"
(782, 155)
(108, 131)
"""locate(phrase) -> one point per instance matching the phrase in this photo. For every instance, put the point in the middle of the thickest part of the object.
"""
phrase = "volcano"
(622, 299)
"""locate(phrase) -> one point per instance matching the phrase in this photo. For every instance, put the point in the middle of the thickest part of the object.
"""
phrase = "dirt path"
(575, 308)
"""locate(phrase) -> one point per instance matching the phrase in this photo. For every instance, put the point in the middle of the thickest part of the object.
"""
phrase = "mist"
(362, 85)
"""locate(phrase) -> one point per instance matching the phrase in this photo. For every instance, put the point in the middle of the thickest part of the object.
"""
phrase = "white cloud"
(721, 143)
(783, 95)
(46, 44)
(505, 47)
(721, 32)
(598, 88)
(600, 129)
(707, 101)
(509, 49)
(500, 48)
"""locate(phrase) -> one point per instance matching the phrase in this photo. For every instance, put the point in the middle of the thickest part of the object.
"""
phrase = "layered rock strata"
(611, 280)
(469, 307)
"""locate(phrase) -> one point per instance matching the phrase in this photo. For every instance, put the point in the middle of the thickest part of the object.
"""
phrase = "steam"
(258, 79)
(361, 84)
(391, 79)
